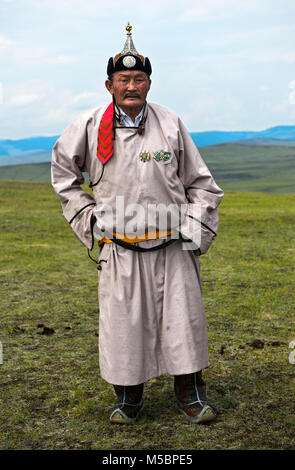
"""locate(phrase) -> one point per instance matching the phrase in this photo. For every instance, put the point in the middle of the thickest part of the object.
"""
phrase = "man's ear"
(109, 86)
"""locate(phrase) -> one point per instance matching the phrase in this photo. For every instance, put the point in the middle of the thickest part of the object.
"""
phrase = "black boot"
(190, 391)
(129, 403)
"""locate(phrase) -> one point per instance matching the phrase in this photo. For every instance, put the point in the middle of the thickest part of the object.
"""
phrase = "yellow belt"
(147, 236)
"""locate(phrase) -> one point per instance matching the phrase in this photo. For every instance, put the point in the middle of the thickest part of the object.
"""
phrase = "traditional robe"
(151, 319)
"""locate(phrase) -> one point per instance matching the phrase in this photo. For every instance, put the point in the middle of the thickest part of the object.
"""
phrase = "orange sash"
(147, 236)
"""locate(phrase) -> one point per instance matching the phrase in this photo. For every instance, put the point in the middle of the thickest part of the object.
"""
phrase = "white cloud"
(37, 107)
(61, 107)
(251, 54)
(28, 55)
(4, 43)
(222, 55)
(61, 59)
(26, 93)
(101, 9)
(25, 99)
(199, 10)
(208, 111)
(34, 55)
(87, 98)
(289, 57)
(266, 36)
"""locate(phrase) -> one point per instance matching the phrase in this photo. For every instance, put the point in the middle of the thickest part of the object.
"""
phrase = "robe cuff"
(76, 204)
(82, 225)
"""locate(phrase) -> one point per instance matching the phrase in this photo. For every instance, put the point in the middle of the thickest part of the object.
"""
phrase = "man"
(140, 156)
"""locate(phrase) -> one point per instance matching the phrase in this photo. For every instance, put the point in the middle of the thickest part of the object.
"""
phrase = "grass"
(247, 168)
(52, 395)
(39, 172)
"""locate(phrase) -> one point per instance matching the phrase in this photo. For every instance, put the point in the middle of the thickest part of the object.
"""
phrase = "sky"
(218, 64)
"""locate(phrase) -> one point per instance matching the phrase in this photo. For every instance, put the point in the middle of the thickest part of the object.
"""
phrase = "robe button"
(99, 267)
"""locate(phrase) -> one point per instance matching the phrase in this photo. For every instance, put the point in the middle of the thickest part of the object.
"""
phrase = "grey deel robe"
(151, 319)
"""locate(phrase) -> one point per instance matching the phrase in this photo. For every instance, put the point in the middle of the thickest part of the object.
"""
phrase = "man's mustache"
(132, 95)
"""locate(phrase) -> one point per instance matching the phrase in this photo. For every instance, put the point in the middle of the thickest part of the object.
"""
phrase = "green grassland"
(239, 167)
(28, 172)
(236, 167)
(52, 395)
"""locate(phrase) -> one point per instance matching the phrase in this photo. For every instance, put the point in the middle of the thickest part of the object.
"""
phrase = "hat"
(129, 58)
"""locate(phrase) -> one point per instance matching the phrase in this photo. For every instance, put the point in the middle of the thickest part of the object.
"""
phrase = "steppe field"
(52, 395)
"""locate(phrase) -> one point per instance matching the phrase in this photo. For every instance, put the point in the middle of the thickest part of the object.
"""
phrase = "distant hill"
(38, 149)
(25, 158)
(22, 146)
(235, 166)
(284, 133)
(26, 172)
(267, 142)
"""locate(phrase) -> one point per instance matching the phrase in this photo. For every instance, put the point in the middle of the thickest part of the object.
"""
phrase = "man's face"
(130, 88)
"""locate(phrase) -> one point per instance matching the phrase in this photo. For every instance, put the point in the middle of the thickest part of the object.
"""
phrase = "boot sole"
(207, 414)
(119, 417)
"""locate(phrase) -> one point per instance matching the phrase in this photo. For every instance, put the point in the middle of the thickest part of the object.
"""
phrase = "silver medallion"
(129, 61)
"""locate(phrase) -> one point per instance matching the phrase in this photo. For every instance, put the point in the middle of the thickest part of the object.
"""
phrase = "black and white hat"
(129, 58)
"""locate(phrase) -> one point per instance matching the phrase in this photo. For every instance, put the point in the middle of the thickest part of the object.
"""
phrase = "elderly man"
(140, 156)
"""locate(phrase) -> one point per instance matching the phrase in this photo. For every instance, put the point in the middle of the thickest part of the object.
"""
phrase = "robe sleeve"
(200, 187)
(68, 162)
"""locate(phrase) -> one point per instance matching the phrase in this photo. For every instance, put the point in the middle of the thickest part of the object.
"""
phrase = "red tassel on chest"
(105, 144)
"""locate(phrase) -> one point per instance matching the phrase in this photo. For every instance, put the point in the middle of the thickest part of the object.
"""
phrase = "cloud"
(33, 55)
(250, 54)
(24, 99)
(266, 36)
(225, 48)
(28, 54)
(61, 59)
(199, 10)
(87, 98)
(26, 93)
(37, 107)
(289, 57)
(4, 43)
(97, 9)
(209, 110)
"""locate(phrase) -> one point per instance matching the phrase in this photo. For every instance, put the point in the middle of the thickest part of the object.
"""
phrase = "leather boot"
(190, 391)
(129, 403)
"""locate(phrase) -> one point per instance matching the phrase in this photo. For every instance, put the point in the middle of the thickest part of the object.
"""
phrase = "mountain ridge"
(38, 149)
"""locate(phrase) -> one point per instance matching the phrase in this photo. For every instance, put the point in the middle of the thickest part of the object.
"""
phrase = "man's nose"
(131, 85)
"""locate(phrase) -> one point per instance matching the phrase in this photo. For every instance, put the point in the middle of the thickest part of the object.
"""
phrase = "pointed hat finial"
(129, 44)
(128, 28)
